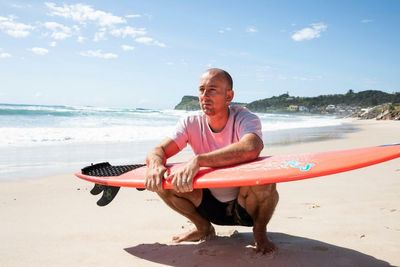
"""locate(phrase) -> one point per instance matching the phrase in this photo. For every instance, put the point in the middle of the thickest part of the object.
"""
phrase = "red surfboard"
(265, 170)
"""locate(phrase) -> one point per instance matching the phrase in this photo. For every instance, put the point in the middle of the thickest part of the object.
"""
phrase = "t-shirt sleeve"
(180, 135)
(249, 123)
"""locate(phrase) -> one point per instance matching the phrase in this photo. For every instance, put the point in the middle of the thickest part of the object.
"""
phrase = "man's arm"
(247, 149)
(156, 160)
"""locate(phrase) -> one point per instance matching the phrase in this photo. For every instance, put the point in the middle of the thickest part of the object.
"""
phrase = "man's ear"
(229, 96)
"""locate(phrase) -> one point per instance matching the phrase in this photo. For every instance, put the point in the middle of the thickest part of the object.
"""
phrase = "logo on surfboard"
(304, 167)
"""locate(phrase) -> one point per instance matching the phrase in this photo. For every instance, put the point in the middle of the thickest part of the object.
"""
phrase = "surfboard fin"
(109, 193)
(106, 169)
(97, 189)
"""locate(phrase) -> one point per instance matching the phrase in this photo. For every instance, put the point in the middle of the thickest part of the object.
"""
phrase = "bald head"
(220, 73)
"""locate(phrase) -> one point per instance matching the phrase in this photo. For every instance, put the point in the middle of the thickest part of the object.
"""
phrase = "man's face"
(214, 94)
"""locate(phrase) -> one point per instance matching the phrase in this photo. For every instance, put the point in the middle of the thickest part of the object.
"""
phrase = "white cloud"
(264, 68)
(282, 77)
(148, 16)
(81, 39)
(98, 54)
(53, 44)
(310, 33)
(149, 41)
(107, 24)
(144, 40)
(39, 51)
(76, 28)
(128, 31)
(4, 55)
(132, 16)
(21, 6)
(367, 20)
(100, 35)
(127, 47)
(157, 43)
(59, 31)
(301, 78)
(251, 29)
(14, 29)
(226, 29)
(84, 13)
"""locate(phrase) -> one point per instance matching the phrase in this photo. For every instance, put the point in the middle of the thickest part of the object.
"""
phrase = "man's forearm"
(156, 157)
(243, 151)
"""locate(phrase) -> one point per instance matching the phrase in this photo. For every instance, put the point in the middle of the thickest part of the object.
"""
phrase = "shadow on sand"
(235, 251)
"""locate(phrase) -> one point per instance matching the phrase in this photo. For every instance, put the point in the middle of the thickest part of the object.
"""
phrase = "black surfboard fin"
(106, 169)
(97, 189)
(109, 193)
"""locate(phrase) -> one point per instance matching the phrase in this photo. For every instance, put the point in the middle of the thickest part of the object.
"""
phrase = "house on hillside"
(293, 108)
(330, 108)
(303, 109)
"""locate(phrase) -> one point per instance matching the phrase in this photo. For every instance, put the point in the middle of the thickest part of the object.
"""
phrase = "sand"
(348, 219)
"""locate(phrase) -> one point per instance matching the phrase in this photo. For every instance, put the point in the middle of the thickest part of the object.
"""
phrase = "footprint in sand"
(252, 254)
(320, 248)
(394, 229)
(312, 205)
(152, 199)
(206, 252)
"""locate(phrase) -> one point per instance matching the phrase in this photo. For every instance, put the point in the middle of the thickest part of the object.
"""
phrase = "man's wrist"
(197, 160)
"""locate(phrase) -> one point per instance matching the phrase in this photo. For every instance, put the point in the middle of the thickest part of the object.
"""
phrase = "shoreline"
(334, 220)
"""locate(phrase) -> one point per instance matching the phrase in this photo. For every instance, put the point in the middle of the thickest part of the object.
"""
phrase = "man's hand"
(182, 179)
(155, 161)
(154, 177)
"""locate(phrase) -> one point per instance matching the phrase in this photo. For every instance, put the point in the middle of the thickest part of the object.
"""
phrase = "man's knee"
(271, 194)
(259, 194)
(268, 190)
(195, 196)
(164, 193)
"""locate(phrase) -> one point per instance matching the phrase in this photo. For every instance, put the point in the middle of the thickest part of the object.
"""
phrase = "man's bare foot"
(195, 235)
(263, 244)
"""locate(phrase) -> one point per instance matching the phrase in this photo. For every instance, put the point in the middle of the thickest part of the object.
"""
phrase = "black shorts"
(223, 213)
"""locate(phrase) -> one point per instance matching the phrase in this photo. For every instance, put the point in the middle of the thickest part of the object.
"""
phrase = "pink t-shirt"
(195, 131)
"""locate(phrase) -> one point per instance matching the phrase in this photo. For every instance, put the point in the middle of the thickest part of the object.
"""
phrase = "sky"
(149, 54)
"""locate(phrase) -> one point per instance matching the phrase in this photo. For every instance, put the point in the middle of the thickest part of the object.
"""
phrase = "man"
(222, 136)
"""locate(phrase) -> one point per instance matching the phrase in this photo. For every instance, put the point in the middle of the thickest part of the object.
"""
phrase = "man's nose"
(204, 93)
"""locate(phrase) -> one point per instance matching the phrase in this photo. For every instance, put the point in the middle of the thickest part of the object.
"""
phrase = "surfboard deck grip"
(106, 169)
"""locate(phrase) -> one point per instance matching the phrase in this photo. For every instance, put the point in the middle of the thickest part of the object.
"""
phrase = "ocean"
(43, 140)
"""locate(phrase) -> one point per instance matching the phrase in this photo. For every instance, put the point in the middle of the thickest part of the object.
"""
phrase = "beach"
(347, 219)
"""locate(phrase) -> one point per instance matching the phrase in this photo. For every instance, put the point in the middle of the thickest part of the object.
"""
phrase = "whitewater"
(34, 125)
(50, 139)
